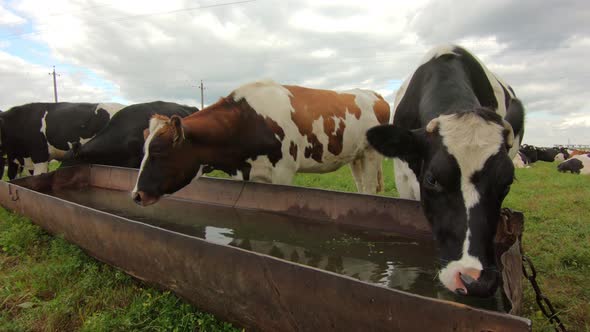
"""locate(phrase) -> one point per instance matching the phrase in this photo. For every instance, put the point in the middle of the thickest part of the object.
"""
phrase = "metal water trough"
(253, 290)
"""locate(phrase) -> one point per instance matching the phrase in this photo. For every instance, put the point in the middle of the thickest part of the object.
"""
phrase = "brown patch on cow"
(315, 151)
(275, 128)
(577, 153)
(293, 150)
(222, 136)
(160, 117)
(382, 110)
(310, 105)
(335, 140)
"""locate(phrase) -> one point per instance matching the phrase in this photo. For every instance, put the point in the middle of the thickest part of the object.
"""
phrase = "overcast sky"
(142, 50)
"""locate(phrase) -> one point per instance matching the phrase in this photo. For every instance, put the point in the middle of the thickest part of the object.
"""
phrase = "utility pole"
(54, 84)
(202, 88)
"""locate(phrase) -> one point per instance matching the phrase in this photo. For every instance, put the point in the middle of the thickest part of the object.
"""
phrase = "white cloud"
(24, 82)
(9, 18)
(154, 50)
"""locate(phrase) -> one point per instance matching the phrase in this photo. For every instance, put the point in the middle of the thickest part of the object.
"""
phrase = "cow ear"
(508, 135)
(176, 123)
(392, 141)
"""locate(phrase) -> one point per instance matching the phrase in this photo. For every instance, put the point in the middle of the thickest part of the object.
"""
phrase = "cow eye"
(431, 182)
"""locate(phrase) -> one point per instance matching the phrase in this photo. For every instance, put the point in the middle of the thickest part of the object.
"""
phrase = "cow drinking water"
(456, 128)
(120, 143)
(40, 132)
(265, 132)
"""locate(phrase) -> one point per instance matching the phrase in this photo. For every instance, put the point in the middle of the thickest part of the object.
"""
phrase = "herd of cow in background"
(572, 160)
(454, 134)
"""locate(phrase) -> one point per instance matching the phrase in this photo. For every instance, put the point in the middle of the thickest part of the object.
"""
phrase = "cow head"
(465, 174)
(166, 166)
(562, 154)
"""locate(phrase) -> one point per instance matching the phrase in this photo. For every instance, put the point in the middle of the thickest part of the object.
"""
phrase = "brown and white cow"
(265, 132)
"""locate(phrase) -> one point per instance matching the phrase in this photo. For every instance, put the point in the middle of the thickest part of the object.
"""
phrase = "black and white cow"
(456, 128)
(41, 132)
(530, 153)
(520, 160)
(552, 154)
(578, 164)
(120, 143)
(534, 153)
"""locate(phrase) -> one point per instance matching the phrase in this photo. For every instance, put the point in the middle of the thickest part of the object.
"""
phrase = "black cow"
(456, 128)
(579, 164)
(46, 131)
(552, 154)
(544, 154)
(120, 143)
(530, 152)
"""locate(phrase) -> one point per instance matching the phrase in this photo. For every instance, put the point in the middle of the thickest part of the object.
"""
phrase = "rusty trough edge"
(250, 289)
(352, 209)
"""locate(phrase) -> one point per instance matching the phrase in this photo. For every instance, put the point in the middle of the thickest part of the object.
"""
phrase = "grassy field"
(47, 284)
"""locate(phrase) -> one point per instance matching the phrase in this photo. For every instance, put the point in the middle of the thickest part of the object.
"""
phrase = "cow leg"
(356, 166)
(406, 181)
(366, 171)
(41, 168)
(13, 169)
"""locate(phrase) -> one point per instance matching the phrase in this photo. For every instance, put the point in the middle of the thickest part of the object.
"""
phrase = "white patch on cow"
(155, 125)
(447, 276)
(40, 168)
(438, 51)
(239, 176)
(406, 181)
(272, 100)
(200, 172)
(559, 157)
(44, 124)
(337, 122)
(518, 162)
(585, 159)
(471, 140)
(54, 153)
(111, 108)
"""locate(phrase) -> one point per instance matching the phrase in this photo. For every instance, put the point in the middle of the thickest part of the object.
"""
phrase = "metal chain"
(542, 300)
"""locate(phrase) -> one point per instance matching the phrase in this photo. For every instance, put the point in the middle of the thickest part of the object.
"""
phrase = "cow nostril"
(467, 279)
(137, 198)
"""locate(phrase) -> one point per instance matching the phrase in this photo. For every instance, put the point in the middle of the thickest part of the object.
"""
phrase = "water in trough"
(380, 258)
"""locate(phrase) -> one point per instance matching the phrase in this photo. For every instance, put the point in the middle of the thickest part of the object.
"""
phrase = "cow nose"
(137, 197)
(465, 277)
(476, 282)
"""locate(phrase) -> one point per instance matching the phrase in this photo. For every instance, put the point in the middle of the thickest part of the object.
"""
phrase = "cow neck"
(216, 124)
(213, 137)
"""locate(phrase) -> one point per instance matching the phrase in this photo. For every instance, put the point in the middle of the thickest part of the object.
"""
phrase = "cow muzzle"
(144, 199)
(472, 282)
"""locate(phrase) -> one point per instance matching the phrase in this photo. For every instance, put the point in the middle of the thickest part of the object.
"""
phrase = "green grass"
(47, 284)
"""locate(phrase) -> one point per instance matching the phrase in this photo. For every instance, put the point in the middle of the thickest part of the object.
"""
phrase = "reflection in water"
(219, 235)
(385, 259)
